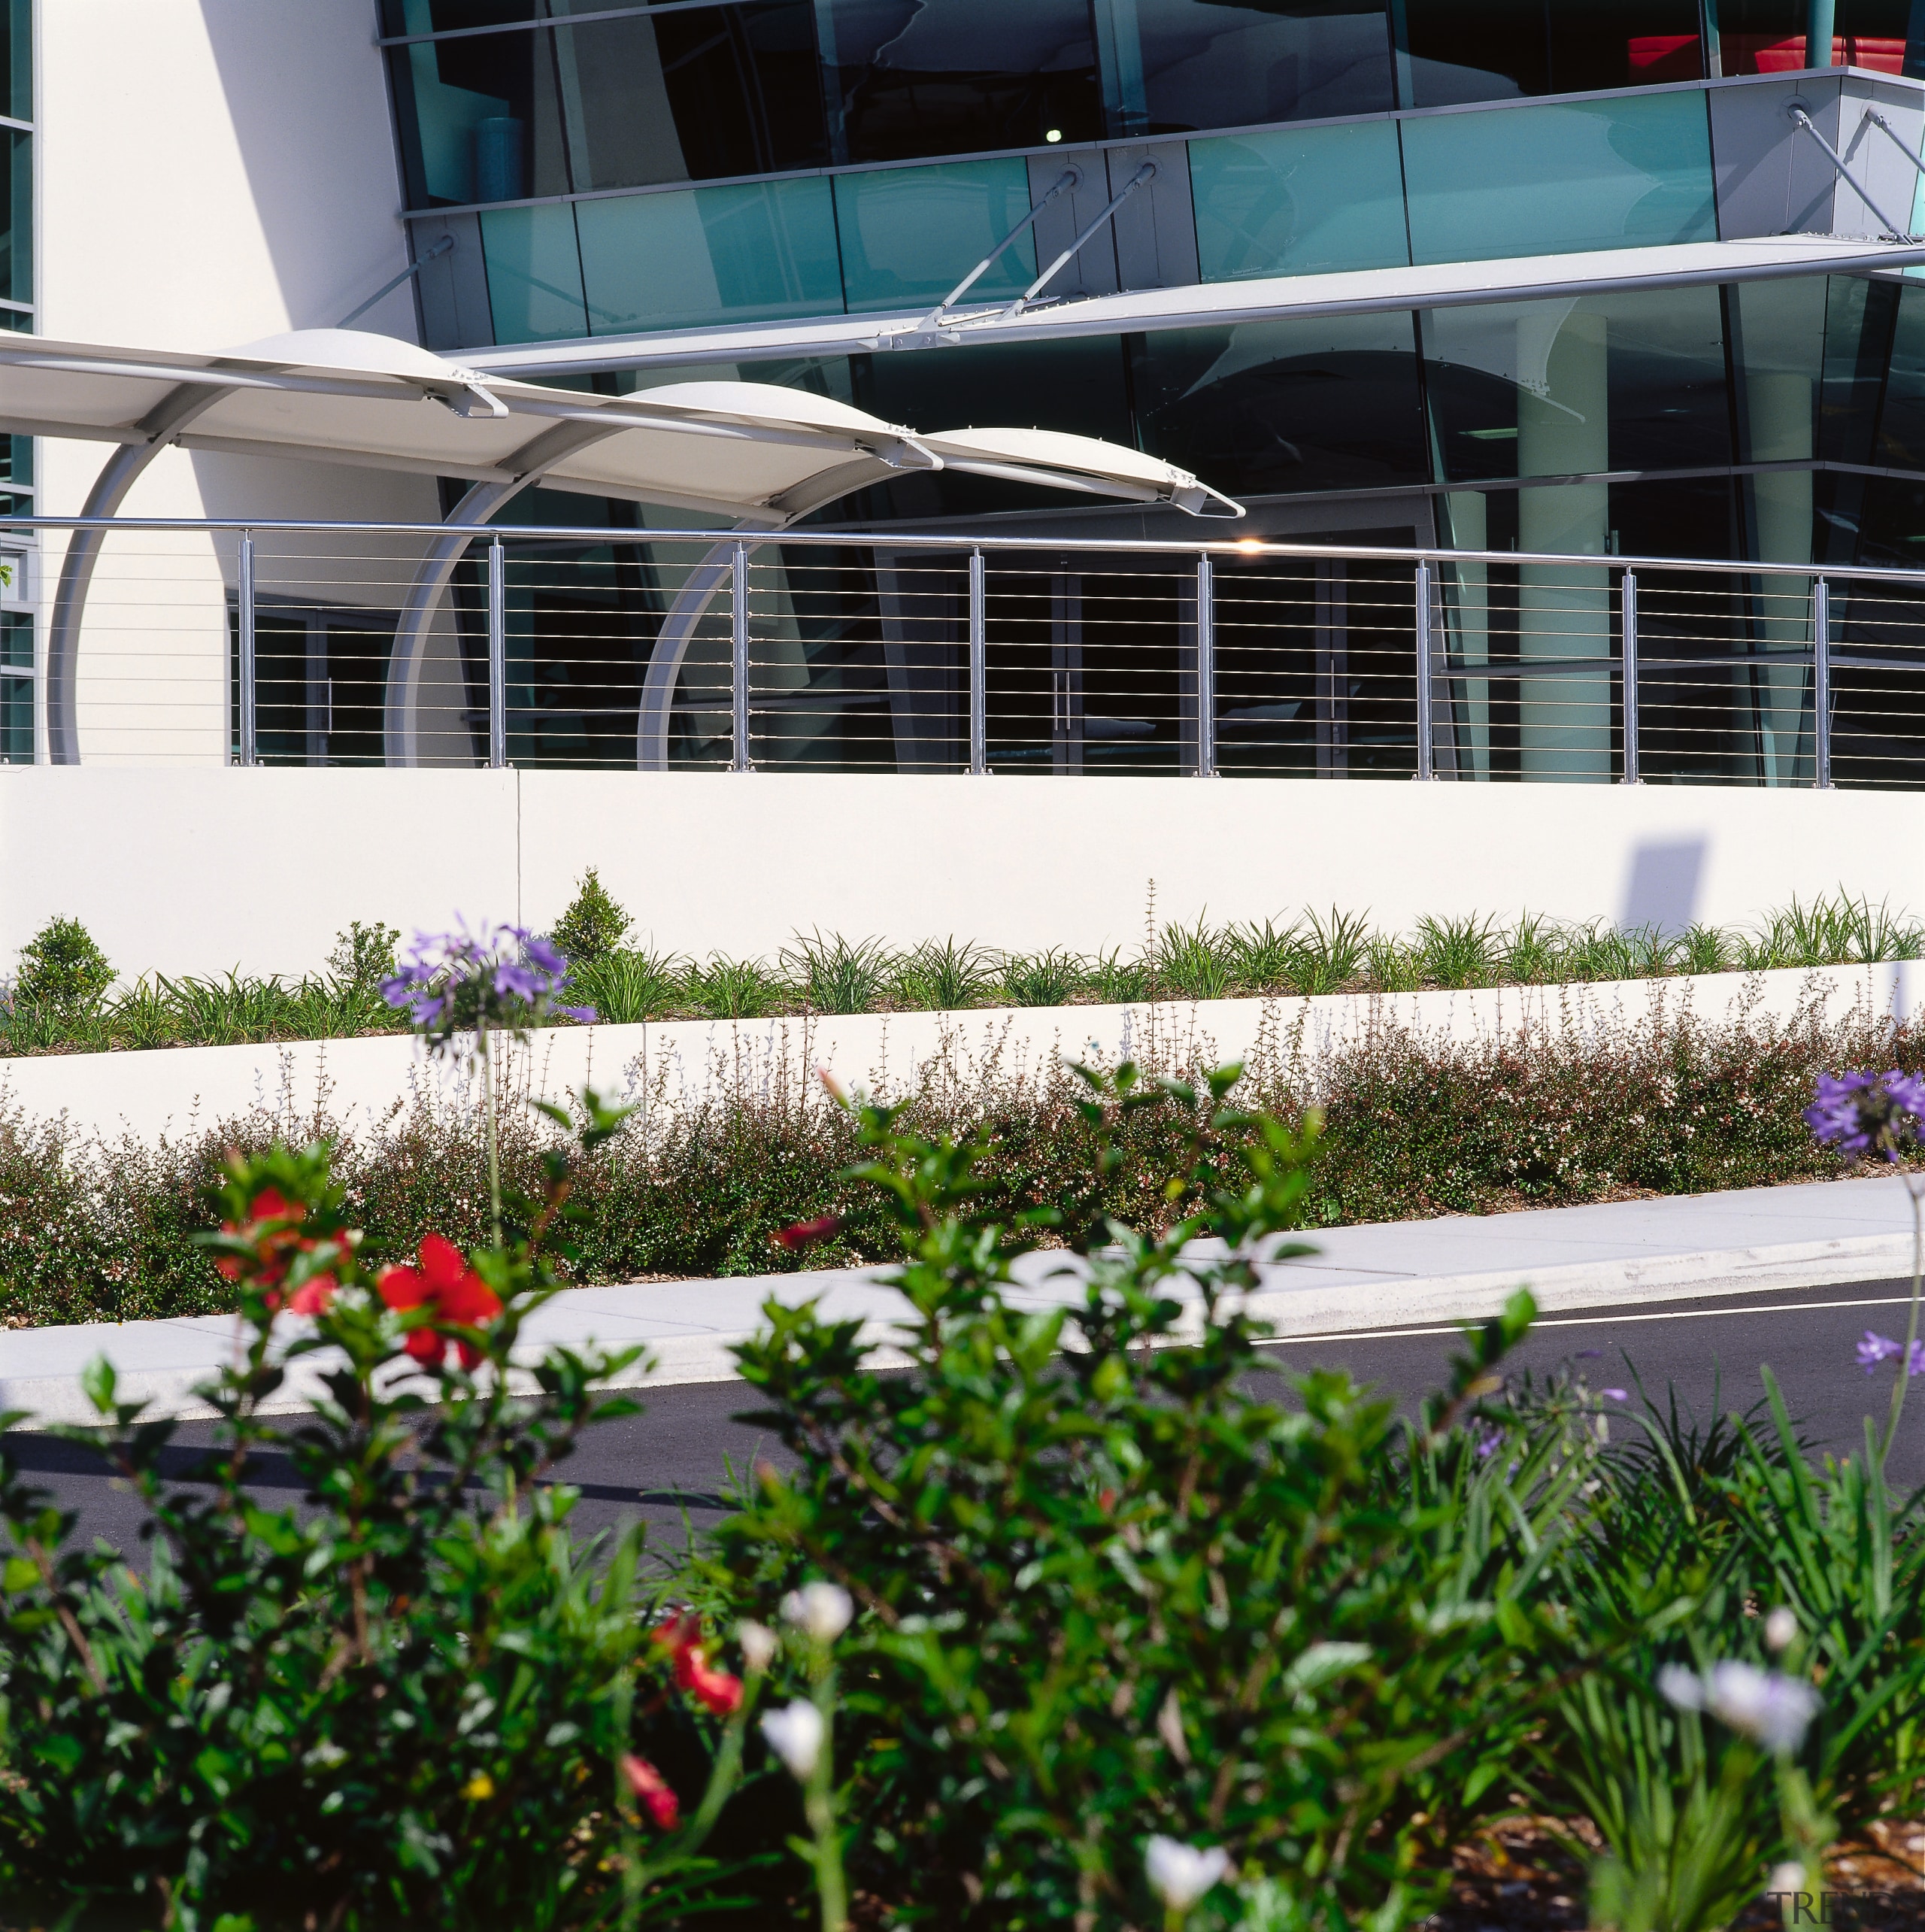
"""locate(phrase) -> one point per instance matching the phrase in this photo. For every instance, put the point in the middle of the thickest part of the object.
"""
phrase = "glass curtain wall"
(17, 679)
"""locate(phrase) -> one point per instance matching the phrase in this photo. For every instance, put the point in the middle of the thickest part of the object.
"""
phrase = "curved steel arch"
(671, 646)
(158, 431)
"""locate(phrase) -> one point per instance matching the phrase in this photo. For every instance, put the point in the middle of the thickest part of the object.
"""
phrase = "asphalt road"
(673, 1465)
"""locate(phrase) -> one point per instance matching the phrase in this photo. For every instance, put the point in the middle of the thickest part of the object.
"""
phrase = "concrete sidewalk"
(1361, 1278)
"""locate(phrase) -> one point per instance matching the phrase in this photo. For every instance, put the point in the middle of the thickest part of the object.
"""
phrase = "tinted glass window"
(910, 235)
(486, 119)
(1485, 50)
(1616, 382)
(1551, 180)
(1768, 36)
(1187, 64)
(17, 61)
(1268, 407)
(1299, 202)
(911, 77)
(691, 94)
(17, 197)
(533, 273)
(745, 253)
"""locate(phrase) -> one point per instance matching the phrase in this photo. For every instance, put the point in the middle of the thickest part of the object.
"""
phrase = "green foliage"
(363, 956)
(1041, 979)
(943, 976)
(402, 1702)
(62, 971)
(728, 989)
(628, 985)
(839, 975)
(593, 927)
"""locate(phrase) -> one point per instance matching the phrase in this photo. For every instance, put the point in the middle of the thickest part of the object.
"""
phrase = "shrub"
(363, 956)
(593, 927)
(62, 970)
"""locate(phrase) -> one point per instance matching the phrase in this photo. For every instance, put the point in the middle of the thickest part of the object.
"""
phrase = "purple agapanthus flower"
(1876, 1348)
(1863, 1113)
(500, 978)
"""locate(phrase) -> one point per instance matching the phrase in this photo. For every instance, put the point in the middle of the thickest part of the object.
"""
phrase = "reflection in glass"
(1266, 407)
(1768, 36)
(17, 693)
(691, 94)
(911, 77)
(1495, 376)
(1493, 49)
(740, 253)
(534, 273)
(1299, 201)
(1556, 180)
(481, 119)
(910, 235)
(1183, 65)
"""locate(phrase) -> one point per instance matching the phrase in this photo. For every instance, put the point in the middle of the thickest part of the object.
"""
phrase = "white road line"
(1580, 1321)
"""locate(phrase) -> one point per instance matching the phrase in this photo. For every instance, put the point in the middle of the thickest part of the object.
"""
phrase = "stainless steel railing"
(286, 643)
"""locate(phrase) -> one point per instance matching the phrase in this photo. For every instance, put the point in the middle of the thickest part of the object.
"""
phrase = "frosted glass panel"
(1553, 180)
(735, 254)
(910, 235)
(1299, 201)
(534, 273)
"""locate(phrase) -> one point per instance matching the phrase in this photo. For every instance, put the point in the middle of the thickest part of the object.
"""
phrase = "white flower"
(1780, 1627)
(822, 1609)
(1180, 1874)
(1774, 1710)
(1788, 1877)
(795, 1734)
(1681, 1686)
(759, 1643)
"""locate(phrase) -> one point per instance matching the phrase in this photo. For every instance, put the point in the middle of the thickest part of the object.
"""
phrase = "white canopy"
(752, 451)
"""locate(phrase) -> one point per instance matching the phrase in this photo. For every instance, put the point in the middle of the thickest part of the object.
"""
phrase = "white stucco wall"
(199, 870)
(209, 172)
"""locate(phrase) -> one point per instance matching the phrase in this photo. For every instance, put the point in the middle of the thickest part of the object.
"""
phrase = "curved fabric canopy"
(753, 451)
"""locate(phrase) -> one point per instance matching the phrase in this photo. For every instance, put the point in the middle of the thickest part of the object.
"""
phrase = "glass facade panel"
(742, 254)
(692, 94)
(910, 77)
(16, 243)
(1768, 36)
(533, 273)
(17, 693)
(1178, 65)
(445, 17)
(1490, 49)
(480, 119)
(17, 61)
(1299, 201)
(1568, 388)
(1276, 408)
(910, 235)
(1555, 180)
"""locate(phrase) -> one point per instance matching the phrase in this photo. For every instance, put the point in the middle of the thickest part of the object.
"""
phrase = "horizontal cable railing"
(285, 643)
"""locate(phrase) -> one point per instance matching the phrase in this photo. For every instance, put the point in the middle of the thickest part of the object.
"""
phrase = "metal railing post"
(1821, 685)
(498, 656)
(1628, 609)
(1206, 669)
(738, 598)
(1426, 751)
(244, 600)
(979, 667)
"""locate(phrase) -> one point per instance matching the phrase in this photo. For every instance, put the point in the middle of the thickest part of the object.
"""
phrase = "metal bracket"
(1798, 109)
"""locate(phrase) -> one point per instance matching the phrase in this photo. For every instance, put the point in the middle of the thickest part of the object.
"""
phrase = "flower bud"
(795, 1734)
(1180, 1874)
(822, 1609)
(1780, 1627)
(758, 1644)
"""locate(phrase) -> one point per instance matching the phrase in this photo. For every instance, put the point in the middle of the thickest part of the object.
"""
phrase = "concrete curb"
(161, 1363)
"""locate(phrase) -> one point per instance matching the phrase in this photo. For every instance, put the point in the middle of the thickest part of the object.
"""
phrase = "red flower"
(446, 1285)
(807, 1233)
(720, 1691)
(270, 1228)
(652, 1788)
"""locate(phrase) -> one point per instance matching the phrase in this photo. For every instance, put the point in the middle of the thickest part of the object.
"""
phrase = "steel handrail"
(1232, 548)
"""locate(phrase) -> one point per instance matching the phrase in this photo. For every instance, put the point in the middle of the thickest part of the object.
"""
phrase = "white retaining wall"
(357, 1082)
(198, 871)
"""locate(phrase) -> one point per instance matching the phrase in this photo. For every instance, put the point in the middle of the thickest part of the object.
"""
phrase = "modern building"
(1593, 277)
